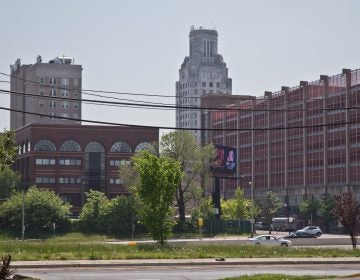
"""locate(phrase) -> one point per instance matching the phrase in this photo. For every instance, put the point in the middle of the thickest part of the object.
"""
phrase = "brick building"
(300, 142)
(70, 159)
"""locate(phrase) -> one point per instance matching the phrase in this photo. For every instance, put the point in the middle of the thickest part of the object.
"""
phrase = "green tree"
(237, 208)
(42, 208)
(8, 149)
(347, 211)
(91, 216)
(205, 210)
(309, 208)
(195, 165)
(159, 178)
(270, 207)
(10, 181)
(120, 214)
(326, 210)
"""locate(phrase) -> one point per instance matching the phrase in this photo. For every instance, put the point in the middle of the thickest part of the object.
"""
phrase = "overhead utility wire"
(34, 84)
(232, 109)
(87, 101)
(98, 91)
(183, 128)
(245, 97)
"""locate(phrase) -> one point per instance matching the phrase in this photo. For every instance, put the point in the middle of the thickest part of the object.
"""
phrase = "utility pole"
(23, 215)
(252, 208)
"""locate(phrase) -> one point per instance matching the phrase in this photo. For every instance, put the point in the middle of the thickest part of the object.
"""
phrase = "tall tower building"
(54, 88)
(202, 73)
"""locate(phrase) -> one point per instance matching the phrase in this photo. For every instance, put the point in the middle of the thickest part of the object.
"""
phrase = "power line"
(36, 84)
(183, 128)
(96, 91)
(173, 107)
(85, 91)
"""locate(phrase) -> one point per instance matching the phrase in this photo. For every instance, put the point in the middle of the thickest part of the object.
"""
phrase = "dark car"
(261, 226)
(301, 234)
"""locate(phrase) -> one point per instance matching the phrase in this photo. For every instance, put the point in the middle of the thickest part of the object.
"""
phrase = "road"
(186, 272)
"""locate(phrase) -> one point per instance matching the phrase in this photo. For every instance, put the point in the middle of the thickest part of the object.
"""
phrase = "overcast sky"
(138, 46)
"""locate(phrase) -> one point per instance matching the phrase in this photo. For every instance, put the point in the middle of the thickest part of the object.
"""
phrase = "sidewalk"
(181, 262)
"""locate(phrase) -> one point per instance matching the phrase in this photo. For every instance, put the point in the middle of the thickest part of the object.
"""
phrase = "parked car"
(269, 240)
(301, 234)
(312, 230)
(261, 226)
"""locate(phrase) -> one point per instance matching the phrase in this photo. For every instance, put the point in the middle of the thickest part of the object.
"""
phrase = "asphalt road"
(187, 272)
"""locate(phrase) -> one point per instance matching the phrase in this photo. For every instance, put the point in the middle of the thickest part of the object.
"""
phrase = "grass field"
(79, 246)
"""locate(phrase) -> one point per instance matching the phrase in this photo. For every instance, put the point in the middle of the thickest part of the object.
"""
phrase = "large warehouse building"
(300, 142)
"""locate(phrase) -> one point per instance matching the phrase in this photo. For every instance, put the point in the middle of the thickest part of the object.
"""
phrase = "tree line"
(158, 183)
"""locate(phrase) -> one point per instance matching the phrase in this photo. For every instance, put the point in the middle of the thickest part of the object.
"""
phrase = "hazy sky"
(138, 46)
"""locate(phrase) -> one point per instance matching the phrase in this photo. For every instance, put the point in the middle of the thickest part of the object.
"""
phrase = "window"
(69, 180)
(65, 81)
(65, 104)
(45, 161)
(211, 84)
(52, 81)
(114, 162)
(52, 92)
(145, 146)
(115, 181)
(120, 147)
(117, 162)
(76, 105)
(44, 180)
(64, 93)
(41, 92)
(45, 145)
(70, 146)
(52, 104)
(76, 82)
(42, 80)
(70, 162)
(203, 84)
(217, 84)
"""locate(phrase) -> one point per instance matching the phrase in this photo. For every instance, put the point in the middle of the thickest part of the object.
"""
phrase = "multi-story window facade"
(45, 88)
(202, 73)
(72, 159)
(300, 142)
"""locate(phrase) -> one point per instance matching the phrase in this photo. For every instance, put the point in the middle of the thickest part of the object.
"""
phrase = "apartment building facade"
(45, 92)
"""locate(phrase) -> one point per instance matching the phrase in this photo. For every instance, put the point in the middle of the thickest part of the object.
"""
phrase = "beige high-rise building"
(51, 90)
(202, 73)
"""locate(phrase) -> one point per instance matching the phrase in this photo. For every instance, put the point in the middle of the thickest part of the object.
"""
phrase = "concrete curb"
(180, 262)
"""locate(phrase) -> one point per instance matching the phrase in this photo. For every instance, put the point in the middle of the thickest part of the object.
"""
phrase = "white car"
(316, 231)
(269, 240)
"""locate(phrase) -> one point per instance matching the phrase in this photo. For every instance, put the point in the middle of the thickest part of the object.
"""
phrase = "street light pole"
(23, 216)
(252, 208)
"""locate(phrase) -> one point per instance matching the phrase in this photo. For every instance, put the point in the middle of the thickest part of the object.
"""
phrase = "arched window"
(120, 147)
(145, 146)
(94, 147)
(45, 145)
(70, 146)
